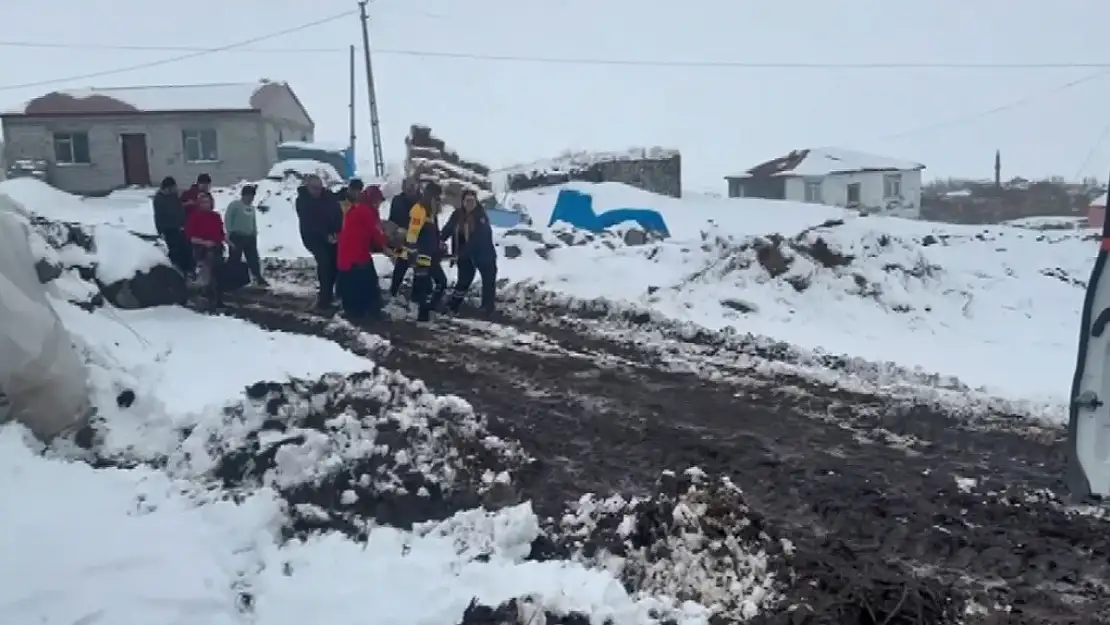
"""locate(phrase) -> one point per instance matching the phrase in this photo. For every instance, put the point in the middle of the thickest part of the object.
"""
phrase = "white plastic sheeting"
(43, 383)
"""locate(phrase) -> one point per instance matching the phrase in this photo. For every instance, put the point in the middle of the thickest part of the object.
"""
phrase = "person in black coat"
(169, 222)
(321, 217)
(471, 237)
(400, 208)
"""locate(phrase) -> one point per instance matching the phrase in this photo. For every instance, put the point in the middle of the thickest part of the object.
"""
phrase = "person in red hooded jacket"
(361, 236)
(205, 229)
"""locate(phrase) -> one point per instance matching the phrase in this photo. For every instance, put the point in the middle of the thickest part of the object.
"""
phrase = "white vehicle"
(1088, 473)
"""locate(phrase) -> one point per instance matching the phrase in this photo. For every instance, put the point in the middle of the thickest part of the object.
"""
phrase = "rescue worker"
(400, 208)
(359, 238)
(424, 251)
(471, 237)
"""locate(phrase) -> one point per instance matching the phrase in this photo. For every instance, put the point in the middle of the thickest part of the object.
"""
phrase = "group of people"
(344, 230)
(197, 236)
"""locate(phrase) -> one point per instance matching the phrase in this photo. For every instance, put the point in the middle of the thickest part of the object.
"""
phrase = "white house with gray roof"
(837, 177)
(97, 140)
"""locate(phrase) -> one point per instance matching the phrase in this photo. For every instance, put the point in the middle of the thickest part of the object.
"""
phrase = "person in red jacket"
(361, 236)
(205, 229)
(191, 195)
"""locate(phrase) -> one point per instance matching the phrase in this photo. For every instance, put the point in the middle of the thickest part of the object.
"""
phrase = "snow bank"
(995, 306)
(112, 251)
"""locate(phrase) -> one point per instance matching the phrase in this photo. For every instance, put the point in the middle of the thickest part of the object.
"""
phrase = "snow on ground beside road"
(181, 365)
(996, 306)
(161, 538)
(137, 546)
(118, 255)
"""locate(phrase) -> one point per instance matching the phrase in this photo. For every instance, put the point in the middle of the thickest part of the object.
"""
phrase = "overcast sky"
(723, 119)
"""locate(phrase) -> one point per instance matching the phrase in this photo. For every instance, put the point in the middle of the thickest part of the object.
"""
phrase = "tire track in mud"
(854, 477)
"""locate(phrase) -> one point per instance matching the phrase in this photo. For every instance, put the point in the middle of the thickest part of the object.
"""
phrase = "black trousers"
(360, 291)
(246, 245)
(327, 269)
(468, 270)
(400, 268)
(428, 286)
(179, 249)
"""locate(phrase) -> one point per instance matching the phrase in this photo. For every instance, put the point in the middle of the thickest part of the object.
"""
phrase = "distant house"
(96, 140)
(836, 177)
(1096, 212)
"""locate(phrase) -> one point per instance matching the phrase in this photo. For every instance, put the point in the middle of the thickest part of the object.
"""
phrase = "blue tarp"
(504, 218)
(577, 209)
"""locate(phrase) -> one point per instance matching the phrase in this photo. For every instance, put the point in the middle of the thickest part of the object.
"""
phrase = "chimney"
(998, 169)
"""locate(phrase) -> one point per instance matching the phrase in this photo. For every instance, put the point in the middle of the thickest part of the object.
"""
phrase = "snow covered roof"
(575, 161)
(246, 96)
(825, 161)
(1100, 201)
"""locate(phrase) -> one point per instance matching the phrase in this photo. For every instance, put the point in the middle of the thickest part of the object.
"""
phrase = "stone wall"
(992, 206)
(428, 158)
(656, 170)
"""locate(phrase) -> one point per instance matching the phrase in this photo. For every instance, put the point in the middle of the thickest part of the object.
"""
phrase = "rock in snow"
(127, 269)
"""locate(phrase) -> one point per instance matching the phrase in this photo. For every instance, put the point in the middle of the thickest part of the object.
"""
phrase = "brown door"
(136, 167)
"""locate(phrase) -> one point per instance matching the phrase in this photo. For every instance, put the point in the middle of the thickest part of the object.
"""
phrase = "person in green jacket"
(242, 232)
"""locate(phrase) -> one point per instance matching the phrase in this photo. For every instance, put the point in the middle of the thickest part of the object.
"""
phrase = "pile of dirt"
(349, 451)
(520, 612)
(695, 539)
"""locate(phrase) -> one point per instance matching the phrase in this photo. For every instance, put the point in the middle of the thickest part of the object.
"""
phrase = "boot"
(455, 302)
(424, 314)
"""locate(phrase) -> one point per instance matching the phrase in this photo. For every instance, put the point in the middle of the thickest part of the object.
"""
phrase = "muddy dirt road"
(896, 507)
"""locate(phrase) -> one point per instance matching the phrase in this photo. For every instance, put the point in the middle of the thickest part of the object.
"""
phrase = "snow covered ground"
(996, 306)
(167, 526)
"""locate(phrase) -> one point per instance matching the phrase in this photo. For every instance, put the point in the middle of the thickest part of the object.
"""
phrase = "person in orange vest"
(424, 251)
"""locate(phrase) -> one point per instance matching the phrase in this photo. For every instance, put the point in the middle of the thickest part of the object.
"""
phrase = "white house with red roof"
(836, 177)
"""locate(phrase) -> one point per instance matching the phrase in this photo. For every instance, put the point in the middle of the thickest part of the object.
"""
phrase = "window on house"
(71, 148)
(853, 193)
(892, 186)
(200, 145)
(281, 136)
(813, 192)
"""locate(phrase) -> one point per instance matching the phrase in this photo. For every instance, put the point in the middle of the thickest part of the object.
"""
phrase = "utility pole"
(375, 126)
(351, 144)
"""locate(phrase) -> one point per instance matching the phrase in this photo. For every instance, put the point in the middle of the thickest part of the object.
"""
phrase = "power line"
(184, 57)
(242, 48)
(963, 119)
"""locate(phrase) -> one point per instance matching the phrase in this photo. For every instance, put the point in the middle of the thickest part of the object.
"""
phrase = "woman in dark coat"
(471, 237)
